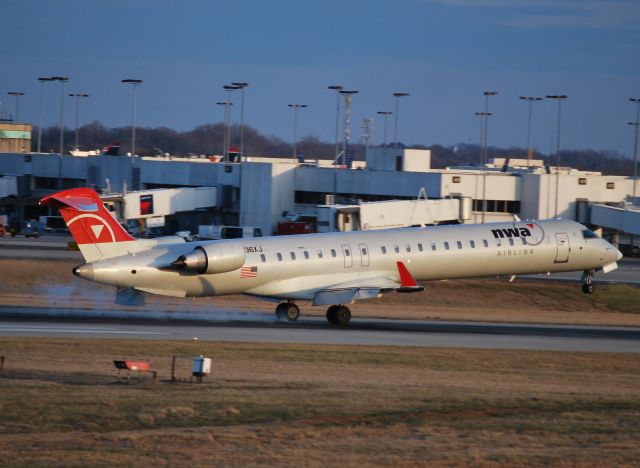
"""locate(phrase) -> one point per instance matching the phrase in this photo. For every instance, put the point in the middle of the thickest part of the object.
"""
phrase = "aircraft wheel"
(332, 314)
(292, 312)
(588, 288)
(343, 316)
(281, 311)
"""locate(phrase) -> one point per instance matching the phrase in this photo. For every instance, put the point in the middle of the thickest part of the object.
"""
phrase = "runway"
(236, 326)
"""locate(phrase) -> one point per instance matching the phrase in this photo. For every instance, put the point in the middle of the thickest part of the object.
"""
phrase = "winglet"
(407, 283)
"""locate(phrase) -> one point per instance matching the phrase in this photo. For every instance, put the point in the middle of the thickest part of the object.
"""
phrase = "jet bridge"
(367, 216)
(621, 219)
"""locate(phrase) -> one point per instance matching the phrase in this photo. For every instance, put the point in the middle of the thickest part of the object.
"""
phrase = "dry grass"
(62, 403)
(51, 284)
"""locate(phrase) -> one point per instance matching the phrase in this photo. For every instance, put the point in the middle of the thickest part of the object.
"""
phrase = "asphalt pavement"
(238, 326)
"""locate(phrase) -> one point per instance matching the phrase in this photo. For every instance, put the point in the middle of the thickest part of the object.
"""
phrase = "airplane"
(333, 269)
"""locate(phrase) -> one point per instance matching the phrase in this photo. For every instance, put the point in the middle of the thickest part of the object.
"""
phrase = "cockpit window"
(587, 234)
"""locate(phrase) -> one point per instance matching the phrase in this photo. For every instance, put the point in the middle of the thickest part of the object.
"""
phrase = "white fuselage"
(298, 267)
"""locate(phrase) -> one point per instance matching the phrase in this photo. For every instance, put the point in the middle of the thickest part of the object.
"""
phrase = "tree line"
(207, 140)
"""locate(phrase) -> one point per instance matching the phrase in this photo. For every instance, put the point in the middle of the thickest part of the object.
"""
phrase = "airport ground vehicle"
(28, 228)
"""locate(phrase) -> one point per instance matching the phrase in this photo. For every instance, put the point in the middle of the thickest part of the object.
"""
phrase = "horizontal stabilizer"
(74, 202)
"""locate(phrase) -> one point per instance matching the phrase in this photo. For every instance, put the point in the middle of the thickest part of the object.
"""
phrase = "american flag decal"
(249, 272)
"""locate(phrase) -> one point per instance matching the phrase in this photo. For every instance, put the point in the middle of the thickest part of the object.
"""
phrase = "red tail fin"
(87, 218)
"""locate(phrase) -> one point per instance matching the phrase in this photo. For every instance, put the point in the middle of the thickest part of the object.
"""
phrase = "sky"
(444, 53)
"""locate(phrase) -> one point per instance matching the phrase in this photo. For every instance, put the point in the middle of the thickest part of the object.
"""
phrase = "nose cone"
(84, 271)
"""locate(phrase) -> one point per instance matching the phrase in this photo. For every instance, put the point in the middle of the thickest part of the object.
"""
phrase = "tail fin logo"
(97, 229)
(87, 222)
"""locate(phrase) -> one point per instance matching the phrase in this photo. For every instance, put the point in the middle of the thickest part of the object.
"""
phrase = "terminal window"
(498, 206)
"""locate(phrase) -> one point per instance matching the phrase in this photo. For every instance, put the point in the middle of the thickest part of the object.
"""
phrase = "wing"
(351, 291)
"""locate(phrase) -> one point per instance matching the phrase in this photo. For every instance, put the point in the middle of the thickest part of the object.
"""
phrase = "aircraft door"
(348, 256)
(562, 244)
(364, 255)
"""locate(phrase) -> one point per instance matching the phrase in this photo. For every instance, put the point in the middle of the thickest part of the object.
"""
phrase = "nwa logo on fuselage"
(511, 232)
(531, 233)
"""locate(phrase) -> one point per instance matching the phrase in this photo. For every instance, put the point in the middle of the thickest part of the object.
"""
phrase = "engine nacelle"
(216, 257)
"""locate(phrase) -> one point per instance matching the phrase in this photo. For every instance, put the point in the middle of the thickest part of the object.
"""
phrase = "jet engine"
(216, 257)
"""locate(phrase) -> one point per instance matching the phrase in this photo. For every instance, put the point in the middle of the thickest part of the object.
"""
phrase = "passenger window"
(396, 248)
(293, 255)
(279, 255)
(446, 246)
(407, 247)
(420, 247)
(347, 252)
(306, 255)
(485, 242)
(433, 246)
(333, 252)
(498, 243)
(383, 249)
(524, 241)
(319, 252)
(472, 244)
(511, 241)
(263, 258)
(459, 244)
(364, 251)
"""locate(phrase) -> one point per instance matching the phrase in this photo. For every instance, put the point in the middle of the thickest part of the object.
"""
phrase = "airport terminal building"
(261, 191)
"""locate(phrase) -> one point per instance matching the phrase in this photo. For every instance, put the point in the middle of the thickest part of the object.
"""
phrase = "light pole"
(337, 89)
(77, 96)
(635, 124)
(397, 115)
(241, 86)
(135, 84)
(62, 80)
(386, 115)
(485, 148)
(42, 81)
(17, 95)
(229, 89)
(295, 108)
(559, 98)
(483, 163)
(227, 105)
(346, 134)
(530, 100)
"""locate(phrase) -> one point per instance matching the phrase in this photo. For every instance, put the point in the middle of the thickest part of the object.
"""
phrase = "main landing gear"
(288, 311)
(587, 282)
(338, 315)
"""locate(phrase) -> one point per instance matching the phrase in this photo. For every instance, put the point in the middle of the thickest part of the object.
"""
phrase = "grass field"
(62, 403)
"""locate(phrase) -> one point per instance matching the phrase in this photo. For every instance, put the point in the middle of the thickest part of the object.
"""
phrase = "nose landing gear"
(587, 282)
